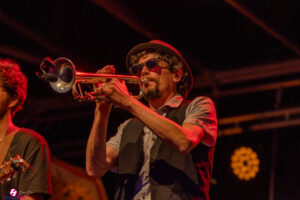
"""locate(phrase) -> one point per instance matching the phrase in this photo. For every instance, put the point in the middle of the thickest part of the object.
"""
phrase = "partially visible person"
(31, 183)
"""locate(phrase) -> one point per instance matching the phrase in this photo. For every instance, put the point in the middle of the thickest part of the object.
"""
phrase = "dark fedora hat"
(187, 79)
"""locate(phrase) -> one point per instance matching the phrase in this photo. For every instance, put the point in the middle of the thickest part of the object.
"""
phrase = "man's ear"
(13, 101)
(177, 75)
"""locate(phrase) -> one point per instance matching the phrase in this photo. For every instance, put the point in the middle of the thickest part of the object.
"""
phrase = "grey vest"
(172, 174)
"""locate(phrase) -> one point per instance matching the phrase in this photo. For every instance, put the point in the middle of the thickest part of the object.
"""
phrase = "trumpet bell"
(65, 72)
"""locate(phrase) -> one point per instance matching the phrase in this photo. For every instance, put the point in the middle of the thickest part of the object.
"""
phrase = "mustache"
(147, 79)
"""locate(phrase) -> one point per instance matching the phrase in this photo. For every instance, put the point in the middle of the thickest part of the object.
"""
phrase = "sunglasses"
(151, 64)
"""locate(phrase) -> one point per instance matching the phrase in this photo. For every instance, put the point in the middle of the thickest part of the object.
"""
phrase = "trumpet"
(63, 77)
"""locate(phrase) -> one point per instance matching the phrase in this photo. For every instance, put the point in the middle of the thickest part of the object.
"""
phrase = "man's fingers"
(108, 69)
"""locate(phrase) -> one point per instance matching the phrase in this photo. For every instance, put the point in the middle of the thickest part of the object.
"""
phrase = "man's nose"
(145, 71)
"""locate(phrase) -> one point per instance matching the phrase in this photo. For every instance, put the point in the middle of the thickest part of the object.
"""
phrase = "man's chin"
(151, 93)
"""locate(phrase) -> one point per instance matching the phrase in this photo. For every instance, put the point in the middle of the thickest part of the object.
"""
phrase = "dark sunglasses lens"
(151, 63)
(136, 69)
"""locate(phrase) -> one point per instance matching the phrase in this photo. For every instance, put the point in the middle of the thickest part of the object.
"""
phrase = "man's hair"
(173, 62)
(13, 81)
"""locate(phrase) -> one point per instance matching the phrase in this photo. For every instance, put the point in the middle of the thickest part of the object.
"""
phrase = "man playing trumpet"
(166, 150)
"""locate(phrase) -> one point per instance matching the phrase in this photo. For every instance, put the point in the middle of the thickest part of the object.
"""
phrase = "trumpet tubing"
(63, 77)
(86, 84)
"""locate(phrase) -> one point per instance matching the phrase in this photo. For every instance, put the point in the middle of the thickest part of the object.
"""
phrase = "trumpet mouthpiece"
(144, 81)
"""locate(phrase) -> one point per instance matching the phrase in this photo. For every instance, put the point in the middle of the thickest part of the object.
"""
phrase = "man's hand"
(108, 69)
(117, 92)
(114, 89)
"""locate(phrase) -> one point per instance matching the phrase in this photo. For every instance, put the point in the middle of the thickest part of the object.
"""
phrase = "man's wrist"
(130, 104)
(103, 107)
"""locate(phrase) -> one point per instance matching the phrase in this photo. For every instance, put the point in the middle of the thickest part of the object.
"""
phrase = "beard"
(152, 93)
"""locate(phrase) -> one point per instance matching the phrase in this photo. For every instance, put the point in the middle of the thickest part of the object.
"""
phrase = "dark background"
(244, 54)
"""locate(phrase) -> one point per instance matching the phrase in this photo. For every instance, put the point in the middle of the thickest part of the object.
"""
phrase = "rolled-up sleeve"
(115, 140)
(201, 112)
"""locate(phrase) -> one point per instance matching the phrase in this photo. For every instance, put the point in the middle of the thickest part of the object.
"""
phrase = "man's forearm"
(169, 131)
(96, 148)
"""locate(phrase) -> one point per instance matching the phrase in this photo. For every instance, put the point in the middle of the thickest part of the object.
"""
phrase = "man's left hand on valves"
(116, 91)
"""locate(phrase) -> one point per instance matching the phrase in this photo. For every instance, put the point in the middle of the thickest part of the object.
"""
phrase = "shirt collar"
(175, 102)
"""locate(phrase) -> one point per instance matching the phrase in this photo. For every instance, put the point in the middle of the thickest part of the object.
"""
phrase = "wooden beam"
(124, 14)
(249, 73)
(31, 34)
(263, 25)
(20, 54)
